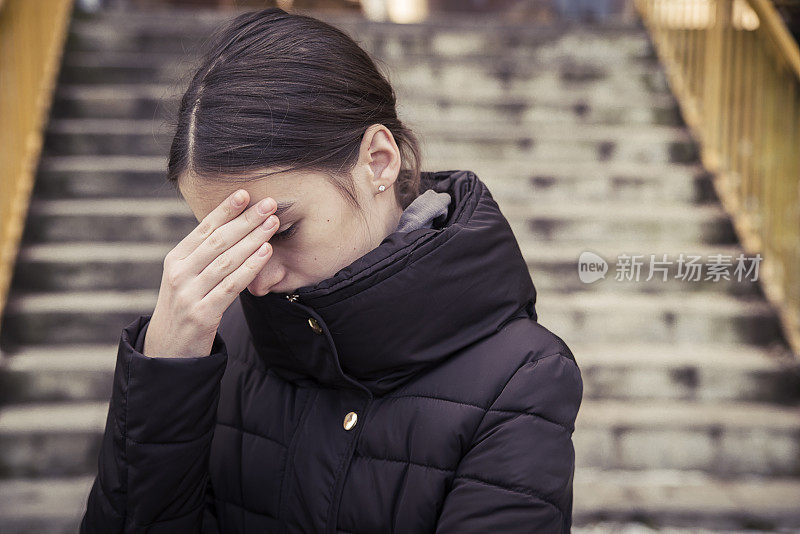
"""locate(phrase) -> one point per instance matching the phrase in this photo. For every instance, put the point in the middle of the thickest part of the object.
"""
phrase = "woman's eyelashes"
(286, 234)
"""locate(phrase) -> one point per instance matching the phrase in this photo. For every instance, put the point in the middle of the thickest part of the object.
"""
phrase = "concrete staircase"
(691, 412)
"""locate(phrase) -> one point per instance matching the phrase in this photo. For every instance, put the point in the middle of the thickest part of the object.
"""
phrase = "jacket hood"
(416, 299)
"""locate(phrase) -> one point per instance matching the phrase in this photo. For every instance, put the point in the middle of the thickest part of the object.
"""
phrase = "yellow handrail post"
(735, 71)
(32, 36)
(712, 88)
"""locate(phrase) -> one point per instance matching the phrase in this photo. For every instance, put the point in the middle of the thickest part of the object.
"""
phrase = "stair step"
(88, 266)
(53, 505)
(72, 317)
(661, 500)
(160, 220)
(97, 163)
(679, 319)
(579, 181)
(529, 151)
(723, 438)
(706, 372)
(51, 439)
(619, 371)
(649, 224)
(57, 373)
(555, 268)
(647, 526)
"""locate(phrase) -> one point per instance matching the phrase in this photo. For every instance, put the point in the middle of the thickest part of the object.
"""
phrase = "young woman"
(370, 362)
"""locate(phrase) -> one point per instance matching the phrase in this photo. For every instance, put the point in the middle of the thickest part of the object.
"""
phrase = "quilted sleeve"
(517, 475)
(153, 461)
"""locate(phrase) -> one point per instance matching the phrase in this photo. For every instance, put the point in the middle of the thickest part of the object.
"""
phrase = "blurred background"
(656, 129)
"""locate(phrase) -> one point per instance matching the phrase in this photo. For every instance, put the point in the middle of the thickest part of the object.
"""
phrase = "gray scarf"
(423, 210)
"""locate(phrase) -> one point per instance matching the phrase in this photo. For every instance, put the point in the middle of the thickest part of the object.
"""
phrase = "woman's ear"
(379, 153)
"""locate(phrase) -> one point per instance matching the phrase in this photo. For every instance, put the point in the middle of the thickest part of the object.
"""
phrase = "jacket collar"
(410, 303)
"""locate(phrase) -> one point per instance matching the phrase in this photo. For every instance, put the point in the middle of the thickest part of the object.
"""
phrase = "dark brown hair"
(286, 91)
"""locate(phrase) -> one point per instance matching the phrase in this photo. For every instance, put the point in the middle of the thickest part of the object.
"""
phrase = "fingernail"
(269, 223)
(263, 206)
(238, 198)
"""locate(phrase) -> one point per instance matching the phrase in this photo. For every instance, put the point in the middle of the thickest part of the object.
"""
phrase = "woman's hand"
(205, 272)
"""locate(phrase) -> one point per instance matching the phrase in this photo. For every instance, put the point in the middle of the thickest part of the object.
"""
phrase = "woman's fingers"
(232, 259)
(204, 274)
(227, 235)
(224, 293)
(224, 212)
(228, 210)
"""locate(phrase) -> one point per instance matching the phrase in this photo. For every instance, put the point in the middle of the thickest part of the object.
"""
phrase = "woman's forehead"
(203, 195)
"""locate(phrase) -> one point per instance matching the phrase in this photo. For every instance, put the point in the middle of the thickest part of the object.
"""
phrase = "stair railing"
(735, 70)
(32, 35)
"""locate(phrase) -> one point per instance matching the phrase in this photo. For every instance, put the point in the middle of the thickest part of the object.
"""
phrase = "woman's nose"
(269, 276)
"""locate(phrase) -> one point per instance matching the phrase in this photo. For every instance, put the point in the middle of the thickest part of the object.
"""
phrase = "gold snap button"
(350, 420)
(314, 324)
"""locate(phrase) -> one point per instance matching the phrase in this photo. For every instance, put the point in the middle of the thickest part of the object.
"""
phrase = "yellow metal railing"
(32, 34)
(735, 71)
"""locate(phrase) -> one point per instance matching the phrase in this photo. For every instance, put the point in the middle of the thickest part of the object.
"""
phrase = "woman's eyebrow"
(283, 207)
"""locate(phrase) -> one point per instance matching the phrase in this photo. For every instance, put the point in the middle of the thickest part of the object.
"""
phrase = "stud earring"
(381, 188)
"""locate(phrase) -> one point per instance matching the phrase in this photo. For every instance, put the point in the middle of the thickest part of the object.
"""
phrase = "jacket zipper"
(333, 512)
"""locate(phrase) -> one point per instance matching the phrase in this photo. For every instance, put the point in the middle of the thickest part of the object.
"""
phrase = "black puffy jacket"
(414, 391)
